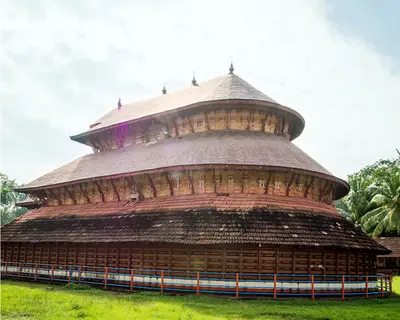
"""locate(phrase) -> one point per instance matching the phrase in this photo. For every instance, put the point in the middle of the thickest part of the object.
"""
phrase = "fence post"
(312, 288)
(35, 271)
(162, 281)
(106, 278)
(390, 285)
(274, 286)
(79, 274)
(69, 274)
(19, 270)
(198, 284)
(237, 285)
(52, 273)
(342, 287)
(386, 283)
(366, 286)
(5, 269)
(382, 293)
(131, 284)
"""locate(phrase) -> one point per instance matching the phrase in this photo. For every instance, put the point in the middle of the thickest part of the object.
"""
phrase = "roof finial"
(231, 68)
(119, 104)
(194, 81)
(164, 90)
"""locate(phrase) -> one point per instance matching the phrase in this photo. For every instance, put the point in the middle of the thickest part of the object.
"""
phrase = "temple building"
(389, 263)
(205, 179)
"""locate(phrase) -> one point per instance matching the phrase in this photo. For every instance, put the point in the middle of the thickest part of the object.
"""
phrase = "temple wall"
(186, 182)
(232, 259)
(184, 124)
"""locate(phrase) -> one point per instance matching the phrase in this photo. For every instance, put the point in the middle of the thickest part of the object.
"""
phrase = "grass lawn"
(39, 301)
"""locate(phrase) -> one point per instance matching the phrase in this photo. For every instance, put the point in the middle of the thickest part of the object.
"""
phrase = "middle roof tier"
(226, 148)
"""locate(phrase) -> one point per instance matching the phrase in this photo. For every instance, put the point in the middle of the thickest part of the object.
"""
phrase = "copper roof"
(214, 147)
(227, 87)
(392, 243)
(118, 222)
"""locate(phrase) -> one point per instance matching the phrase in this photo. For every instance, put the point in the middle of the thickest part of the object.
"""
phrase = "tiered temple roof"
(272, 193)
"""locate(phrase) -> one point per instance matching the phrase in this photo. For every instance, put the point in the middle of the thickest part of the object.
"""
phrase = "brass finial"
(194, 81)
(164, 90)
(231, 68)
(119, 103)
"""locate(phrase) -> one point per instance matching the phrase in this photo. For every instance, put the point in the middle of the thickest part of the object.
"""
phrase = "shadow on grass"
(229, 307)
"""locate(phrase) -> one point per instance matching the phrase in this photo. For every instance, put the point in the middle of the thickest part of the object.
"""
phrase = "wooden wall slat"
(227, 259)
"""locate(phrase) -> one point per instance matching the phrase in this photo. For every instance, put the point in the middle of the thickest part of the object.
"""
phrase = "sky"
(64, 64)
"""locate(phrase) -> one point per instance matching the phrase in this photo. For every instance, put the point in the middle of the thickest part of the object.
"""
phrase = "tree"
(373, 199)
(8, 198)
(385, 218)
(354, 206)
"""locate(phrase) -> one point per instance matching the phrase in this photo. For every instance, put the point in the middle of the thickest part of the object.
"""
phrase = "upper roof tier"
(229, 88)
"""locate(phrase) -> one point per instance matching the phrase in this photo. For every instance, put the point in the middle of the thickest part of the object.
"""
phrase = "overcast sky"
(63, 64)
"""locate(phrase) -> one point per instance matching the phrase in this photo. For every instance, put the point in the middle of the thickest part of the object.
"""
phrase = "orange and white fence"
(237, 284)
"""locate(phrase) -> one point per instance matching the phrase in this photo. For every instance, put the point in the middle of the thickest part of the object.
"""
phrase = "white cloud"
(63, 66)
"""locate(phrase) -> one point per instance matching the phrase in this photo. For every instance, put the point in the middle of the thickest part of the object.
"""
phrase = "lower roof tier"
(231, 148)
(202, 224)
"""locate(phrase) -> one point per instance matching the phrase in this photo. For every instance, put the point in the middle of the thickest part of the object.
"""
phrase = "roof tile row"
(198, 225)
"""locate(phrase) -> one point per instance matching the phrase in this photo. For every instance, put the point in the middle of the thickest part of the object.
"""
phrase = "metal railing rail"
(237, 284)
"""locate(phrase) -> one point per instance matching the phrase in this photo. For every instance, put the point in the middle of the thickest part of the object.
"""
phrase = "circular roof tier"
(203, 226)
(227, 89)
(213, 148)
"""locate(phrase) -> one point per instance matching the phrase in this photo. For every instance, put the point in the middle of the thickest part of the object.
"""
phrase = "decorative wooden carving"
(176, 127)
(245, 180)
(264, 121)
(133, 186)
(152, 186)
(308, 187)
(169, 182)
(215, 181)
(290, 183)
(190, 124)
(207, 122)
(249, 119)
(268, 182)
(103, 199)
(84, 192)
(190, 178)
(56, 196)
(121, 138)
(322, 190)
(115, 190)
(167, 128)
(71, 195)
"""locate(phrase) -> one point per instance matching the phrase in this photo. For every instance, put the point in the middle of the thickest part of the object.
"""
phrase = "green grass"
(38, 301)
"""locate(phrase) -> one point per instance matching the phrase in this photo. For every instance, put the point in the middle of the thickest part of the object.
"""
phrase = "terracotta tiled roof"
(392, 243)
(227, 87)
(233, 201)
(214, 147)
(185, 202)
(88, 223)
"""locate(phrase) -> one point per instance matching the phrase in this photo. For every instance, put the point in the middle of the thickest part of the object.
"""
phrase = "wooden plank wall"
(228, 259)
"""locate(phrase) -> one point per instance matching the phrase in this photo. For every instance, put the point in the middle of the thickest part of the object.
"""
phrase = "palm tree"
(385, 217)
(354, 206)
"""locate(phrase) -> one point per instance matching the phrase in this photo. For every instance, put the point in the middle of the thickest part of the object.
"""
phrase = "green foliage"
(24, 300)
(374, 199)
(8, 210)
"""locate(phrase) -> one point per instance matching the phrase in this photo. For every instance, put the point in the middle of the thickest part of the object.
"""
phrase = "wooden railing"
(237, 284)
